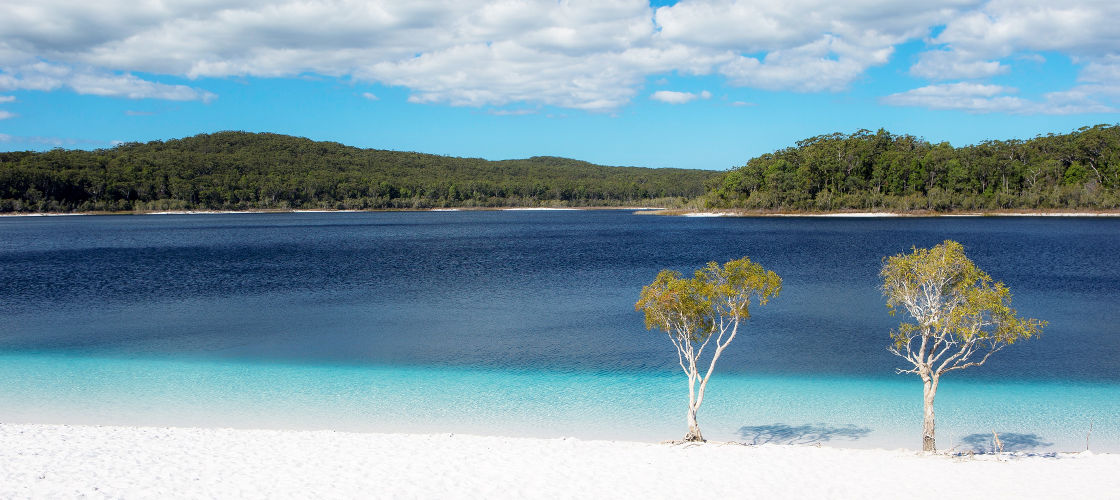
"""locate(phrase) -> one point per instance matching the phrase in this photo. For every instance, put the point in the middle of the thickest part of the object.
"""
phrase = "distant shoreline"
(642, 210)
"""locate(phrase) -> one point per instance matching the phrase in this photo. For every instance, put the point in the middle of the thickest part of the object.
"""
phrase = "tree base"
(694, 436)
(929, 444)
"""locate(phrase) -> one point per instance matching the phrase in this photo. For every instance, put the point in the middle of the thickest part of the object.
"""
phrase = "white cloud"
(584, 54)
(674, 97)
(46, 77)
(1084, 28)
(740, 104)
(4, 115)
(972, 43)
(1103, 70)
(985, 98)
(7, 98)
(802, 45)
(512, 112)
(948, 65)
(370, 96)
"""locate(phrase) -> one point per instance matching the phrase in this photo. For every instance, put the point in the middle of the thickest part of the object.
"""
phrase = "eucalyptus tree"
(960, 317)
(693, 311)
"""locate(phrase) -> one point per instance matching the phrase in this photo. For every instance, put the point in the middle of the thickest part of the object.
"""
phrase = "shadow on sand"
(801, 434)
(982, 442)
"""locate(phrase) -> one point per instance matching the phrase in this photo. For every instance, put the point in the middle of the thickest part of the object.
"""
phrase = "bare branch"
(977, 363)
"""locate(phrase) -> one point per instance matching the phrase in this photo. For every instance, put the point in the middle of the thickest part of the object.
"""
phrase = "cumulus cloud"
(46, 77)
(971, 43)
(674, 97)
(986, 41)
(581, 54)
(1002, 27)
(4, 115)
(802, 45)
(7, 98)
(370, 96)
(985, 98)
(1105, 70)
(585, 54)
(948, 65)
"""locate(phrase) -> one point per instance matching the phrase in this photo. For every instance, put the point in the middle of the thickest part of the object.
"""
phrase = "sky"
(692, 84)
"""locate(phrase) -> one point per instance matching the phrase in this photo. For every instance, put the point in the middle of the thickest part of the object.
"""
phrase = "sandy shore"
(48, 461)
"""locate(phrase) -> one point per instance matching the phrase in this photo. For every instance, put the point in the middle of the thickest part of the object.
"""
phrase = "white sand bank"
(708, 214)
(67, 461)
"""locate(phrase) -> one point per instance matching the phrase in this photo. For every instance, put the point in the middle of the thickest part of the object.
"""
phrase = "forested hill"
(886, 172)
(238, 171)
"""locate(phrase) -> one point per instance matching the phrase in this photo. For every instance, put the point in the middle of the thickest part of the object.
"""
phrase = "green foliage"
(956, 308)
(237, 170)
(885, 172)
(692, 309)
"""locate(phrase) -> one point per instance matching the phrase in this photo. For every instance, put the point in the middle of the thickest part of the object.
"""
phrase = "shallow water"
(522, 323)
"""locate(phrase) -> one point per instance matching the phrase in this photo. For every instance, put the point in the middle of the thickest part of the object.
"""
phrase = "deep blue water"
(126, 318)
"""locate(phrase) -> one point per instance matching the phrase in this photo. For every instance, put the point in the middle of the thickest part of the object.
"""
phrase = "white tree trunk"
(929, 390)
(694, 401)
(693, 426)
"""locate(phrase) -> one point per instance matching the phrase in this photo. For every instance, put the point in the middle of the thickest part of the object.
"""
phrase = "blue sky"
(694, 84)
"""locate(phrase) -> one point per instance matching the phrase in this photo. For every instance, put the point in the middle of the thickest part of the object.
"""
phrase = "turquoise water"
(835, 411)
(523, 324)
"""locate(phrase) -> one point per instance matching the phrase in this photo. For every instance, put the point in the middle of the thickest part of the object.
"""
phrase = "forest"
(864, 171)
(249, 171)
(881, 171)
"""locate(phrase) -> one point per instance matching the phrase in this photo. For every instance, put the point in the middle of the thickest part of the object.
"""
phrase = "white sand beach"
(49, 461)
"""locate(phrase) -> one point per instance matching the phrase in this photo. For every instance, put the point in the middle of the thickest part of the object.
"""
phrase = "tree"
(958, 313)
(695, 310)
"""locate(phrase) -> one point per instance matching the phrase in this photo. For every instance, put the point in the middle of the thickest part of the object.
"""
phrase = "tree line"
(880, 171)
(240, 171)
(868, 171)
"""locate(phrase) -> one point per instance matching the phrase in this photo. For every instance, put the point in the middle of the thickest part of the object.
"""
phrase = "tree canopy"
(867, 171)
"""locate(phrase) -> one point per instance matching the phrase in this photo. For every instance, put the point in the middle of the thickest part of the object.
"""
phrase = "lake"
(523, 323)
